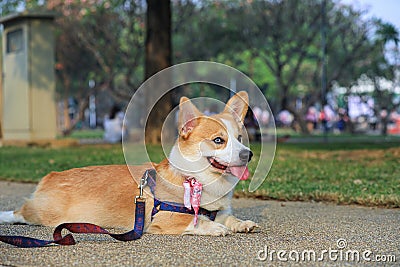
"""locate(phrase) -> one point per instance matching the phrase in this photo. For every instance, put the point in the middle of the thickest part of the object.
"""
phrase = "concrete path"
(293, 233)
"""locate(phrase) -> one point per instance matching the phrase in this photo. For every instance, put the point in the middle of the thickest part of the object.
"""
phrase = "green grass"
(366, 174)
(343, 173)
(85, 134)
(31, 164)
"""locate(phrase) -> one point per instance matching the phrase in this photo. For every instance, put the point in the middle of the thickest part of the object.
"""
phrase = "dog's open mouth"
(216, 164)
(241, 172)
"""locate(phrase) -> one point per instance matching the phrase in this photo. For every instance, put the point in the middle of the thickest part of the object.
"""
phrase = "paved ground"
(297, 229)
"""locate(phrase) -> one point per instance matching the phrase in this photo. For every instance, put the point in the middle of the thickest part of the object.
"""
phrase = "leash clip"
(142, 184)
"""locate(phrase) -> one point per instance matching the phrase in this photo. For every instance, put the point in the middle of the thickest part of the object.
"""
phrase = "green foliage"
(8, 6)
(276, 43)
(387, 32)
(254, 67)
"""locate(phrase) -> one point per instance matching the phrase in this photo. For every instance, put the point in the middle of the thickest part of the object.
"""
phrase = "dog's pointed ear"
(238, 105)
(188, 117)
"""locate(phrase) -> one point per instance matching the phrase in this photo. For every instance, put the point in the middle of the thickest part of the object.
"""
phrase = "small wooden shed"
(27, 95)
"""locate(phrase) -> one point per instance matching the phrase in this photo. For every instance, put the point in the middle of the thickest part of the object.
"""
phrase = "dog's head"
(210, 146)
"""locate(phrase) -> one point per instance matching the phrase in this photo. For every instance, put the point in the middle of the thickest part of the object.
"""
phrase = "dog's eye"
(219, 141)
(240, 138)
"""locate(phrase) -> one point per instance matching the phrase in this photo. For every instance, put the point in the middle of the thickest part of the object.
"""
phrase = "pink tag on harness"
(186, 196)
(192, 196)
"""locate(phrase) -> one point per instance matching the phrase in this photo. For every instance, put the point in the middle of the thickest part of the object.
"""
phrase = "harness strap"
(173, 207)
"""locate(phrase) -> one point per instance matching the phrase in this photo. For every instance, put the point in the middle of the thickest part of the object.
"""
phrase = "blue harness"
(172, 206)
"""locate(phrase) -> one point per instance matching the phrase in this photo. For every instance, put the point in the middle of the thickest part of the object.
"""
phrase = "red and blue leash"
(86, 228)
(81, 228)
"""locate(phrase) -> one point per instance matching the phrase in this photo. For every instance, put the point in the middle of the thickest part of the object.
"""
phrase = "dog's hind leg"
(27, 214)
(11, 217)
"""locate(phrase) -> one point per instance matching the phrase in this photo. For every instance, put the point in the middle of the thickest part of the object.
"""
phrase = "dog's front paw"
(207, 228)
(243, 226)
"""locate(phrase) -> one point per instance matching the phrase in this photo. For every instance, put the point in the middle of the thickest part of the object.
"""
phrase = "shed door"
(16, 80)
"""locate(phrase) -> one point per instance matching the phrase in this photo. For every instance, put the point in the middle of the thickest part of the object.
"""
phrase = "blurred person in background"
(113, 125)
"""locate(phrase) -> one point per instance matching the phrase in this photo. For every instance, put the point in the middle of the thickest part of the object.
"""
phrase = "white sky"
(387, 10)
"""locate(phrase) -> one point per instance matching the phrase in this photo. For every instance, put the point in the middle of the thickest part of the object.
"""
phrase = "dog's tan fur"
(104, 195)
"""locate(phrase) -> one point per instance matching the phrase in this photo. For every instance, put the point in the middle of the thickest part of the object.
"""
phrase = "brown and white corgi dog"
(209, 149)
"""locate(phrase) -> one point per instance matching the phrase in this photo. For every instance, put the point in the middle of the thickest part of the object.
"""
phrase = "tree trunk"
(385, 123)
(283, 89)
(83, 104)
(299, 119)
(284, 100)
(67, 120)
(302, 124)
(158, 57)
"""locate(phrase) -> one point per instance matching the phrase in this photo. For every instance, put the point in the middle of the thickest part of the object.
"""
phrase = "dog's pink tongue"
(241, 172)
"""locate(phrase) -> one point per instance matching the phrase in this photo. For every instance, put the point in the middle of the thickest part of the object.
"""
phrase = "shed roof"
(26, 15)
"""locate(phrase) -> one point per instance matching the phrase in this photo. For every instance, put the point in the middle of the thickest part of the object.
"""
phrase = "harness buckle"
(143, 199)
(142, 184)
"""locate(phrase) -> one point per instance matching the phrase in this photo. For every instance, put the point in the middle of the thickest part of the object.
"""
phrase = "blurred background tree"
(276, 43)
(386, 33)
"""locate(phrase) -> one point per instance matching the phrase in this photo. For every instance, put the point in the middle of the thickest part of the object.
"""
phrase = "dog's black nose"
(245, 155)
